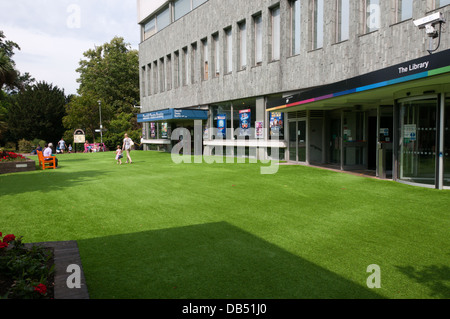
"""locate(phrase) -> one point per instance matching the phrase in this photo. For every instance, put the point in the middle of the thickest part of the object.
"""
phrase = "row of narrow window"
(181, 69)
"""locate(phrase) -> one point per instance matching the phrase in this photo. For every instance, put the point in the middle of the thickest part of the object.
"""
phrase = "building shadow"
(435, 277)
(209, 261)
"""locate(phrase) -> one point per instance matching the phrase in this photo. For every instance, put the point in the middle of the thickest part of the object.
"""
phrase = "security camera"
(430, 20)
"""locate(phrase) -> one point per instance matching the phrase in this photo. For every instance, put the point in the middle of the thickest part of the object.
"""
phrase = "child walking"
(119, 155)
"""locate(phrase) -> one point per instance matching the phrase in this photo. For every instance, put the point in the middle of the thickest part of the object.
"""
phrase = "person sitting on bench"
(48, 153)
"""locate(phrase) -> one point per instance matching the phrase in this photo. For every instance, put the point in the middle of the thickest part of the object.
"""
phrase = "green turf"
(155, 229)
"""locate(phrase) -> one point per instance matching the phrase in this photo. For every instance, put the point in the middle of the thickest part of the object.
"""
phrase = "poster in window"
(259, 129)
(164, 131)
(221, 125)
(153, 130)
(244, 122)
(276, 124)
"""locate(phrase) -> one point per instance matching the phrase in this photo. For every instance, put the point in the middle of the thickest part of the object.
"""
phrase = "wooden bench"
(46, 163)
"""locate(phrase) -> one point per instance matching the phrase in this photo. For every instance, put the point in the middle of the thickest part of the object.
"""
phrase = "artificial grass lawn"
(155, 229)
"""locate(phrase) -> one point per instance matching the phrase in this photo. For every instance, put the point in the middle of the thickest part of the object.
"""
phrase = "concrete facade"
(347, 102)
(362, 53)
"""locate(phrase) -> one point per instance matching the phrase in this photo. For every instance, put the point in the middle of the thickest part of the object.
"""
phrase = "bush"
(25, 146)
(25, 273)
(10, 146)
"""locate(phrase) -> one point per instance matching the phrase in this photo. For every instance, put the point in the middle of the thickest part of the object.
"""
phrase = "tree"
(108, 73)
(83, 112)
(111, 73)
(37, 112)
(8, 74)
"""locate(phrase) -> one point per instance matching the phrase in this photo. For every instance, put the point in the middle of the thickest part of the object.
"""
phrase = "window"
(149, 28)
(169, 72)
(441, 3)
(317, 24)
(404, 10)
(196, 3)
(177, 70)
(163, 19)
(155, 77)
(295, 27)
(185, 66)
(372, 16)
(162, 76)
(229, 50)
(144, 93)
(149, 79)
(258, 39)
(242, 45)
(205, 59)
(343, 20)
(193, 62)
(216, 54)
(276, 27)
(181, 8)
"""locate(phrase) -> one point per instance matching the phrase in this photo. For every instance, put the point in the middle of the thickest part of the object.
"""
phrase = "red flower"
(9, 238)
(41, 288)
(3, 245)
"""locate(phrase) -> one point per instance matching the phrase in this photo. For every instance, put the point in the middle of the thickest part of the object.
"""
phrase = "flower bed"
(11, 162)
(25, 273)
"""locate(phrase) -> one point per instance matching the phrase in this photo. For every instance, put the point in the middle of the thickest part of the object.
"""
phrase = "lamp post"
(101, 126)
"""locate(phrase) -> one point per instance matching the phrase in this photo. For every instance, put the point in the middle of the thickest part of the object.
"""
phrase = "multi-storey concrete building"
(354, 84)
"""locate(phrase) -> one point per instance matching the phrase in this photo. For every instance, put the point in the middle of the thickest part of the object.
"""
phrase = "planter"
(16, 167)
(65, 254)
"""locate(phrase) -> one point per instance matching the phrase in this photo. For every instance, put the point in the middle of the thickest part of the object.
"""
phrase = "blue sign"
(245, 122)
(172, 114)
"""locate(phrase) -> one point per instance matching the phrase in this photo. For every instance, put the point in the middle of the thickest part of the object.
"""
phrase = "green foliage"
(37, 112)
(30, 268)
(25, 146)
(109, 81)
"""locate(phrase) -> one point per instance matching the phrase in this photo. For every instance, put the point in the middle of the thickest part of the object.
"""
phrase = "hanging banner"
(259, 129)
(276, 124)
(244, 122)
(221, 125)
(164, 131)
(152, 130)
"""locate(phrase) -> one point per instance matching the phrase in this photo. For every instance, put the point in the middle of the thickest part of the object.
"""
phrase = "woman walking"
(127, 143)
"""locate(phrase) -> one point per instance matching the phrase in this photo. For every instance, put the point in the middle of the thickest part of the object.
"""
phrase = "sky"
(54, 34)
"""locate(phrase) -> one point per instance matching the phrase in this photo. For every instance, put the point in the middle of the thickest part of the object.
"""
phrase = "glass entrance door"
(447, 142)
(417, 162)
(297, 141)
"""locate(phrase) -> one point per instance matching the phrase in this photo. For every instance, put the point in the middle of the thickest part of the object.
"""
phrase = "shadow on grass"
(44, 181)
(436, 278)
(209, 261)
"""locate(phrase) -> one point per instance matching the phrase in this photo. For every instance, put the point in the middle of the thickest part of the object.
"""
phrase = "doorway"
(297, 141)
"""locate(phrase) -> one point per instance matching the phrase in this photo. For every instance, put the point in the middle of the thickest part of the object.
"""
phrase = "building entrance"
(418, 141)
(297, 141)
